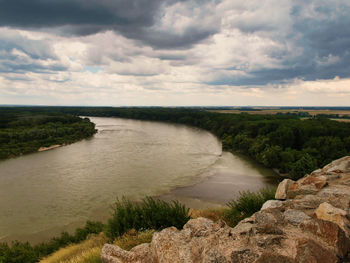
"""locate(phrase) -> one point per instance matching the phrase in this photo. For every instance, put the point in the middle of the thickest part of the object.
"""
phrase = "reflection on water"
(61, 188)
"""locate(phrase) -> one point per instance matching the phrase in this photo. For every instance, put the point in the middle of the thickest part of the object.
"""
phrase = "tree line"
(25, 130)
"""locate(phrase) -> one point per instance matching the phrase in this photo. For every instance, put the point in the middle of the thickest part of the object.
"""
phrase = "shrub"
(247, 204)
(149, 214)
(24, 252)
(133, 239)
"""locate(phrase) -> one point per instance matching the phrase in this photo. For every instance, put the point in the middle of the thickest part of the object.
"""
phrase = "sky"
(175, 52)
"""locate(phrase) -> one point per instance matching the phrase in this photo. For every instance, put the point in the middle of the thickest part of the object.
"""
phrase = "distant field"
(341, 120)
(275, 111)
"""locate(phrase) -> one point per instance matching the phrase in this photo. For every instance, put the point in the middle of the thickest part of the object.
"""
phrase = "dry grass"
(133, 238)
(214, 214)
(89, 251)
(341, 120)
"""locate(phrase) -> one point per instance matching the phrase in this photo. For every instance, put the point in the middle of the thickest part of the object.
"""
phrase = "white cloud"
(107, 68)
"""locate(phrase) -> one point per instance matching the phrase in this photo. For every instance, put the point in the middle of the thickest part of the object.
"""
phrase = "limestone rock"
(295, 217)
(282, 189)
(243, 256)
(309, 251)
(317, 181)
(330, 213)
(114, 254)
(341, 165)
(309, 184)
(272, 204)
(330, 233)
(273, 257)
(310, 226)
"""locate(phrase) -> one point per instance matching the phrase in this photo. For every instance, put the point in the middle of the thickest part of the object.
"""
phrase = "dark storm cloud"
(320, 29)
(98, 14)
(132, 18)
(318, 32)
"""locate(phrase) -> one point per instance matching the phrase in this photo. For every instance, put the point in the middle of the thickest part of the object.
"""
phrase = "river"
(43, 193)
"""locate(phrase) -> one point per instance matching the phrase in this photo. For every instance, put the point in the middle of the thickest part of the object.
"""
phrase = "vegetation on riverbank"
(19, 252)
(246, 205)
(149, 214)
(26, 130)
(131, 224)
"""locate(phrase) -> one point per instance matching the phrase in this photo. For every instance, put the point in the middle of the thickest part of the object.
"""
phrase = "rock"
(243, 256)
(213, 256)
(271, 204)
(301, 189)
(331, 176)
(265, 218)
(295, 217)
(243, 228)
(309, 184)
(306, 202)
(318, 181)
(170, 244)
(341, 165)
(114, 254)
(267, 223)
(265, 241)
(273, 257)
(310, 226)
(330, 233)
(329, 213)
(309, 251)
(338, 195)
(282, 189)
(199, 227)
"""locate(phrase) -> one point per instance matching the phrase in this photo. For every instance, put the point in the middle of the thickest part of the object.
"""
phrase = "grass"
(246, 205)
(88, 251)
(236, 210)
(133, 239)
(214, 214)
(149, 214)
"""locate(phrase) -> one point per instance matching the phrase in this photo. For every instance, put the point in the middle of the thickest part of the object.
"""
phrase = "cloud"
(142, 52)
(136, 19)
(19, 54)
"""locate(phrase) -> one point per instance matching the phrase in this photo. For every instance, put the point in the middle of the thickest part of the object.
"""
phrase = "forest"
(292, 145)
(25, 130)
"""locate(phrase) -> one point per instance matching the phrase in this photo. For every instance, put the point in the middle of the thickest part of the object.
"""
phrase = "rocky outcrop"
(310, 223)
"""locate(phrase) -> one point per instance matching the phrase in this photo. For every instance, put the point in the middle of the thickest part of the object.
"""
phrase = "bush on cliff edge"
(246, 205)
(149, 214)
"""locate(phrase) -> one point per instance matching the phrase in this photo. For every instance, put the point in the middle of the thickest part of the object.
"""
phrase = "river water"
(44, 193)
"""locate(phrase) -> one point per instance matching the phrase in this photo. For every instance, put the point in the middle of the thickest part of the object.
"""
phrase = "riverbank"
(29, 130)
(42, 149)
